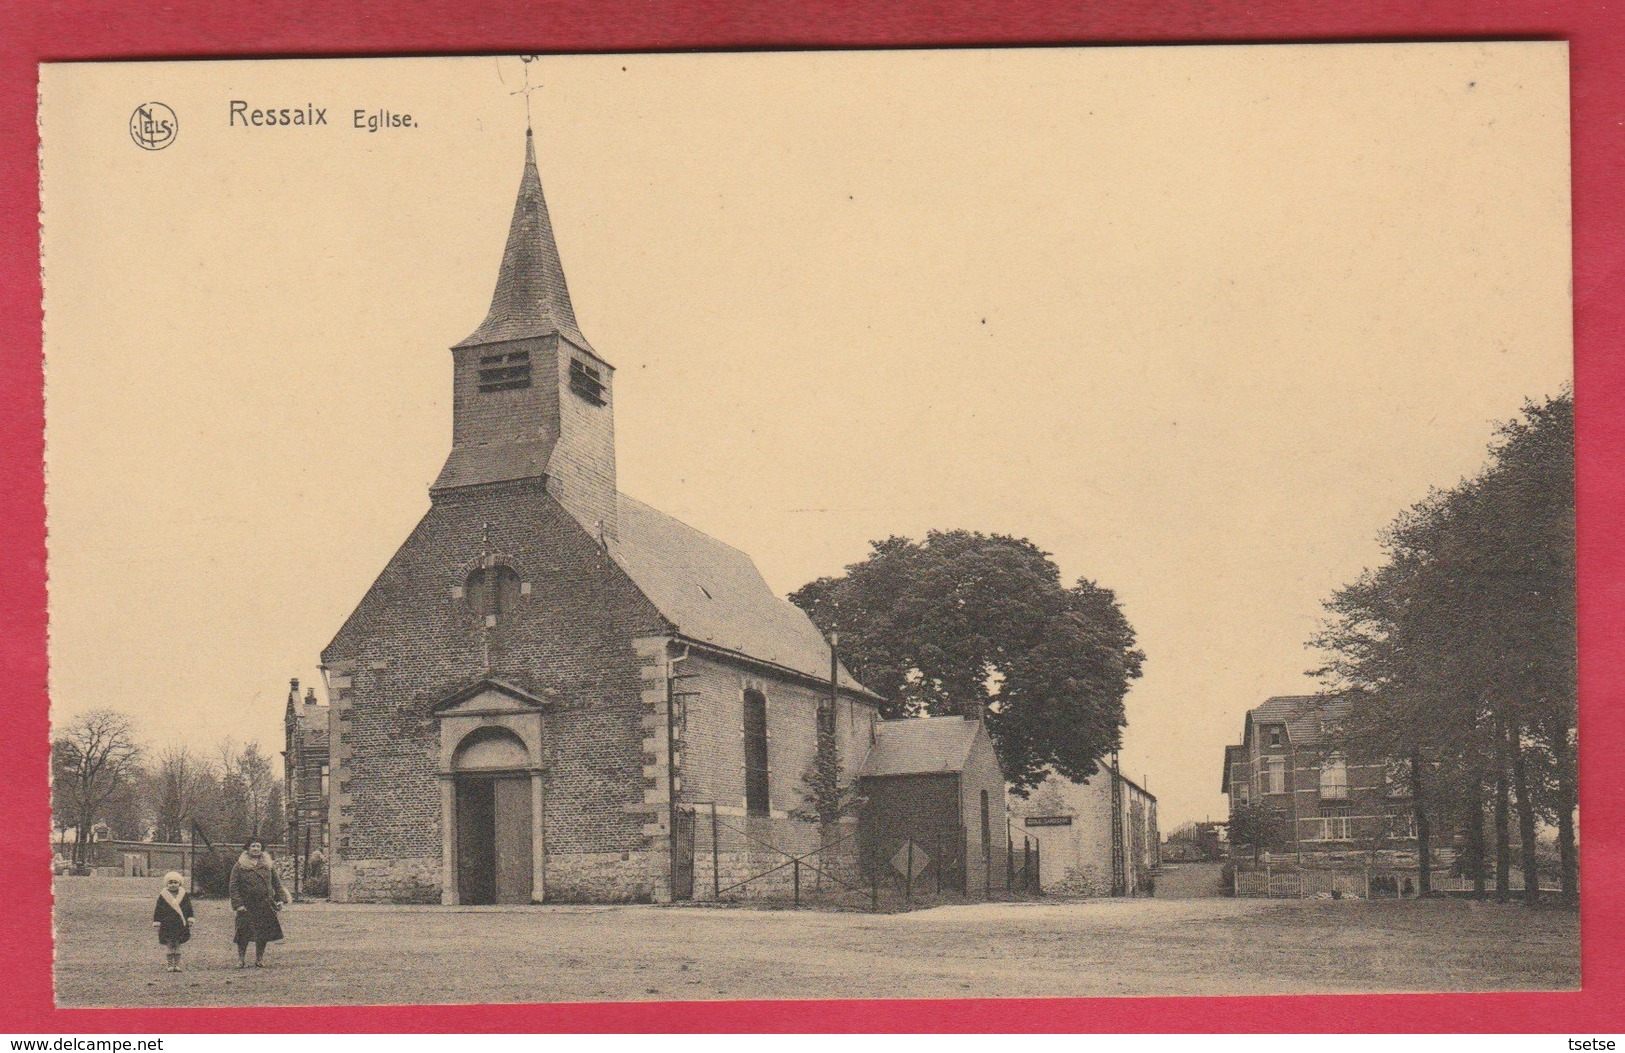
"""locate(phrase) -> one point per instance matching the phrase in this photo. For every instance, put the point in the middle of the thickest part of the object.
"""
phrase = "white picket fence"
(1299, 884)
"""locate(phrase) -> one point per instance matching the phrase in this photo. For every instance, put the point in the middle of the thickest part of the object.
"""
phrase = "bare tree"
(249, 784)
(181, 782)
(94, 759)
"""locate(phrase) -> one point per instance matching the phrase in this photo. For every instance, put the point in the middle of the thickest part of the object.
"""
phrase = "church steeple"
(531, 297)
(531, 399)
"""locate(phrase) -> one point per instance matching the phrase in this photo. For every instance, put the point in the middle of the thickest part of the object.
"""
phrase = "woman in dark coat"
(172, 916)
(256, 896)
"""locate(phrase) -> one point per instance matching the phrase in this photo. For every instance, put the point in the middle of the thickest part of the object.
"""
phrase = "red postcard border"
(40, 30)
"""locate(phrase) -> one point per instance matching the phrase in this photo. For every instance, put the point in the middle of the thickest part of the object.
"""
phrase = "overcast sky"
(1197, 321)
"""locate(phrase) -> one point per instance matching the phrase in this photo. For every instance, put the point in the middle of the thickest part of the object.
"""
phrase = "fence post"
(1038, 868)
(874, 886)
(1009, 858)
(716, 866)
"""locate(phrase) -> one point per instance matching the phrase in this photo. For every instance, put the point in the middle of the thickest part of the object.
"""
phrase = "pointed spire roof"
(531, 298)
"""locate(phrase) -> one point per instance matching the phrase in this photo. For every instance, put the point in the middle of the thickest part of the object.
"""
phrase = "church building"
(549, 679)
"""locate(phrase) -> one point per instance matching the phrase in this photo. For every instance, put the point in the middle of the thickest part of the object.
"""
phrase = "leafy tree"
(827, 793)
(94, 761)
(1459, 651)
(1256, 825)
(965, 622)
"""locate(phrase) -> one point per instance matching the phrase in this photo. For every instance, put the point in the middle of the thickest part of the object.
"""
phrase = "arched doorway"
(494, 818)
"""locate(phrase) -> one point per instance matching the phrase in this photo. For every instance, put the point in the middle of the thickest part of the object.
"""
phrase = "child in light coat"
(172, 917)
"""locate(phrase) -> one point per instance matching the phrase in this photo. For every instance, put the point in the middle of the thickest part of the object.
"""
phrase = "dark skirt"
(257, 922)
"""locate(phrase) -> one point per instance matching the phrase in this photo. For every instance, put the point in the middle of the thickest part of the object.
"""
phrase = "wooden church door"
(493, 840)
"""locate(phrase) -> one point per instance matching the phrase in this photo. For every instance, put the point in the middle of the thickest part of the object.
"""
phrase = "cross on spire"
(529, 88)
(531, 298)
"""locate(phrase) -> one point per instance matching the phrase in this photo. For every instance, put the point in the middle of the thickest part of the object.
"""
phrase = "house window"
(324, 781)
(1334, 778)
(1402, 826)
(587, 382)
(1329, 828)
(756, 798)
(492, 592)
(504, 372)
(1275, 736)
(1396, 778)
(1240, 791)
(1274, 771)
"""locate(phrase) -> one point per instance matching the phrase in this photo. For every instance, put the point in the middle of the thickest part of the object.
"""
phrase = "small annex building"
(549, 680)
(1096, 838)
(933, 790)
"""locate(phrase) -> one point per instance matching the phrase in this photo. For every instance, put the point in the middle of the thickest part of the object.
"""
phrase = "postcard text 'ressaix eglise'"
(310, 115)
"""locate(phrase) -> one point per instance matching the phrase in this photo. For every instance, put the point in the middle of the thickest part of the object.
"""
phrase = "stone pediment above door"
(479, 709)
(489, 696)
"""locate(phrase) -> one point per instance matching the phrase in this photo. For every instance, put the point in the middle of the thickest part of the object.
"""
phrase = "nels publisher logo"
(153, 126)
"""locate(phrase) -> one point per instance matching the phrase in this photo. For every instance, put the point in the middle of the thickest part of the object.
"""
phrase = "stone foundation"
(601, 877)
(744, 875)
(386, 881)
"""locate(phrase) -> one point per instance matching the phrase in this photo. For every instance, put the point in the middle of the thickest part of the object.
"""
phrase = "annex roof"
(714, 595)
(921, 746)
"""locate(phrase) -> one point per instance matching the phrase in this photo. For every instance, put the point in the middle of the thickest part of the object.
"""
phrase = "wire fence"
(755, 860)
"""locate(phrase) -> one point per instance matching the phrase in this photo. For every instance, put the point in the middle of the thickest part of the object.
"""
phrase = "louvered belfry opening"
(504, 372)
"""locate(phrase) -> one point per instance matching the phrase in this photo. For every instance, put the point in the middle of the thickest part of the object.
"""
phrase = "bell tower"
(531, 399)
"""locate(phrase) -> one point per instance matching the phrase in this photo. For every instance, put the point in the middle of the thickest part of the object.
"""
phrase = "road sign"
(904, 859)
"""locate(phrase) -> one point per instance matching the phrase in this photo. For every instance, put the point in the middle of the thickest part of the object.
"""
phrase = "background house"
(1096, 838)
(306, 784)
(1349, 824)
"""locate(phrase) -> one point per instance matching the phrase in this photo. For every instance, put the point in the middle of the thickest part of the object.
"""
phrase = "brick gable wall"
(413, 640)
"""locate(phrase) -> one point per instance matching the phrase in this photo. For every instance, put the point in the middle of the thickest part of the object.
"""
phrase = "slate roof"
(531, 297)
(713, 594)
(1302, 715)
(921, 746)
